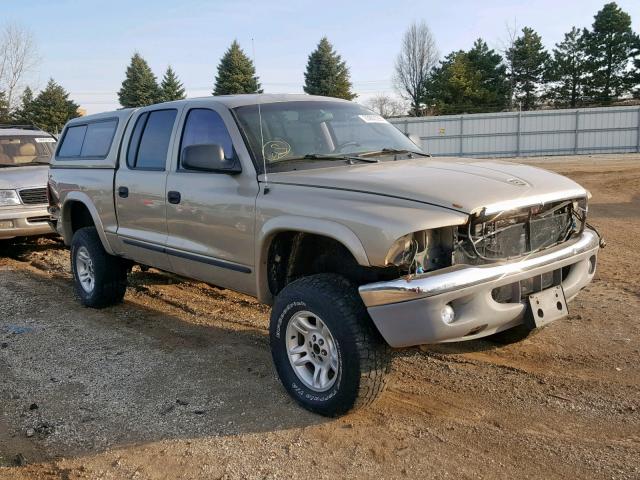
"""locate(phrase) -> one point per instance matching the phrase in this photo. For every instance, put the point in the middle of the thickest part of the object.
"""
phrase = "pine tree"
(529, 60)
(472, 81)
(170, 87)
(23, 115)
(494, 86)
(611, 47)
(5, 117)
(236, 73)
(139, 87)
(566, 72)
(51, 109)
(454, 85)
(327, 74)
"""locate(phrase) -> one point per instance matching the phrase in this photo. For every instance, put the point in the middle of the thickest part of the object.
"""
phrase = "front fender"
(284, 223)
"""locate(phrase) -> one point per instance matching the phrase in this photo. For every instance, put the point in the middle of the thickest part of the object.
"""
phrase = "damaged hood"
(464, 185)
(16, 178)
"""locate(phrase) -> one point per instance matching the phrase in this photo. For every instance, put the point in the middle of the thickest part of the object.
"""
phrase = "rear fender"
(65, 217)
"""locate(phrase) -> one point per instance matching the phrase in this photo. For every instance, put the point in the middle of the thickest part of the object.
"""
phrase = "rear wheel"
(327, 353)
(99, 279)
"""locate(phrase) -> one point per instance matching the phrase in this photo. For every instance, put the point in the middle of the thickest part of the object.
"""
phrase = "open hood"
(464, 185)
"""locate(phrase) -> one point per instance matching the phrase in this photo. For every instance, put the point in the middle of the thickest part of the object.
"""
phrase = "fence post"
(406, 126)
(638, 133)
(518, 135)
(577, 131)
(461, 133)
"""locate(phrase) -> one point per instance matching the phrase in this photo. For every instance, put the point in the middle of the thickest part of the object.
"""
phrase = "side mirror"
(208, 158)
(414, 138)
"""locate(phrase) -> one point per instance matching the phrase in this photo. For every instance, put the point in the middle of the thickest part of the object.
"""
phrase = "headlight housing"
(422, 251)
(402, 251)
(9, 197)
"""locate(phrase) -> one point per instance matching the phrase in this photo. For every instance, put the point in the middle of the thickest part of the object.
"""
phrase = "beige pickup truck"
(319, 207)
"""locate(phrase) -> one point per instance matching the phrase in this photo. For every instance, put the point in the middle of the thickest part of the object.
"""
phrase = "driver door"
(211, 216)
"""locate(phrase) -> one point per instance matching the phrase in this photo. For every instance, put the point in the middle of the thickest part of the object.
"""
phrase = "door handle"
(173, 197)
(123, 192)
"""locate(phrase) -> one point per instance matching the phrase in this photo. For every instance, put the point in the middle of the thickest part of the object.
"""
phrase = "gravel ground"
(177, 382)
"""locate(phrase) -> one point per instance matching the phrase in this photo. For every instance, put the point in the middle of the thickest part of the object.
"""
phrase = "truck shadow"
(128, 375)
(20, 246)
(616, 210)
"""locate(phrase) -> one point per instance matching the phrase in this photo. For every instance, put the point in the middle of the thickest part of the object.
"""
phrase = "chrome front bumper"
(24, 221)
(407, 311)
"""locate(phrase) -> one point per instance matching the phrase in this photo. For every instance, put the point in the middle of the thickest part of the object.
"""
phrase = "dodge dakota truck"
(358, 239)
(24, 157)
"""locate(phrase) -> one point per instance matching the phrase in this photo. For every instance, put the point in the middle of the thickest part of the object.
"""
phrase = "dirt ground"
(177, 382)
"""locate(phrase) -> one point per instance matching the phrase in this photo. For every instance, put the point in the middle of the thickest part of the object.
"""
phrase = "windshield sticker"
(44, 140)
(275, 150)
(372, 118)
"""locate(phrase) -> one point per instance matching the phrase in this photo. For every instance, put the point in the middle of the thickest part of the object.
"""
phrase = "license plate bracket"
(546, 306)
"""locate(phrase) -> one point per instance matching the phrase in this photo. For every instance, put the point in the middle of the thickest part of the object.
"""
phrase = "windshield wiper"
(396, 151)
(320, 156)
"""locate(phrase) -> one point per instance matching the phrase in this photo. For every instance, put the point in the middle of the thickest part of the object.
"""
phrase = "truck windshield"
(25, 150)
(308, 131)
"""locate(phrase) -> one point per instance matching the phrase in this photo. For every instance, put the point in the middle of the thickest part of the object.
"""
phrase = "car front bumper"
(407, 311)
(22, 221)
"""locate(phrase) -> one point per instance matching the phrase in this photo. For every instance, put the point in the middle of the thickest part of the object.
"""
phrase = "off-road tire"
(110, 272)
(364, 357)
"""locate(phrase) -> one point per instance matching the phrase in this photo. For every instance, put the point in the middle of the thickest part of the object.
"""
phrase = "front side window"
(204, 126)
(150, 140)
(19, 150)
(282, 132)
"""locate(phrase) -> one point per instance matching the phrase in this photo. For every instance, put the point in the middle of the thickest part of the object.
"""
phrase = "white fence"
(546, 132)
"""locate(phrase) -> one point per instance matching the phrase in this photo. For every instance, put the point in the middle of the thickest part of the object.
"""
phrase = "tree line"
(590, 66)
(326, 74)
(595, 66)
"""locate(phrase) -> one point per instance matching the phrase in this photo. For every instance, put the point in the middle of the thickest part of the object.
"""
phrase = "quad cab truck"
(322, 209)
(24, 158)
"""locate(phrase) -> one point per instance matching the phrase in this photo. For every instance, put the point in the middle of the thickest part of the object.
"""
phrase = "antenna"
(264, 159)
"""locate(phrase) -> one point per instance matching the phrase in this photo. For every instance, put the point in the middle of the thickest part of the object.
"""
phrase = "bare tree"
(387, 106)
(507, 53)
(414, 63)
(18, 57)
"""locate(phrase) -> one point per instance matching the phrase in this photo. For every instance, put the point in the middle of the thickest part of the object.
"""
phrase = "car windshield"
(24, 150)
(308, 131)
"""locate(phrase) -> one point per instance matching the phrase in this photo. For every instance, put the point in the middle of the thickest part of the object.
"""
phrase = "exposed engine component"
(516, 233)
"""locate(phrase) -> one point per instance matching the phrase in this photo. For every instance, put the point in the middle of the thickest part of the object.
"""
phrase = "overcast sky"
(86, 45)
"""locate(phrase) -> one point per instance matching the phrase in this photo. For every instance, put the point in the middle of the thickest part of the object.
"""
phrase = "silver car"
(24, 161)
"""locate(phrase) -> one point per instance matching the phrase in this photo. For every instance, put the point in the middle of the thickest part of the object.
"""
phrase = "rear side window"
(72, 142)
(204, 126)
(98, 138)
(92, 140)
(150, 139)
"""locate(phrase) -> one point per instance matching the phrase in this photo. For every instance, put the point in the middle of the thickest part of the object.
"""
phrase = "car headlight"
(9, 197)
(401, 251)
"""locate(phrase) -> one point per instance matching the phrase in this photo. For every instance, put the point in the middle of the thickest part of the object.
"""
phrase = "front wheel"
(326, 351)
